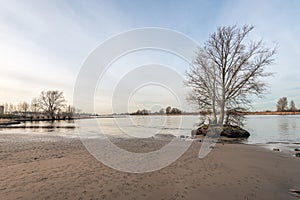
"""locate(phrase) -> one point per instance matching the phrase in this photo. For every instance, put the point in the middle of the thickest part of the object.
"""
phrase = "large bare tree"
(226, 70)
(51, 102)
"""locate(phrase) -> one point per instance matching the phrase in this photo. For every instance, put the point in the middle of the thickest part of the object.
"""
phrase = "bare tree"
(18, 107)
(12, 108)
(51, 102)
(70, 111)
(34, 107)
(23, 107)
(168, 110)
(292, 106)
(282, 104)
(6, 108)
(227, 70)
(234, 117)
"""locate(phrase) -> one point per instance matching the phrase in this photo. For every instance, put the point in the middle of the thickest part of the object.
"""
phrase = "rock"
(229, 131)
(202, 130)
(297, 154)
(234, 132)
(182, 137)
(276, 149)
(297, 149)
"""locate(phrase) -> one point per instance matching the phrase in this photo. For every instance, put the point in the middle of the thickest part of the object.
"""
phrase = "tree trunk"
(214, 111)
(222, 113)
(222, 107)
(214, 100)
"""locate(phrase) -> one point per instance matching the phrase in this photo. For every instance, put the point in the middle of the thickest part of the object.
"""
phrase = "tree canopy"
(51, 102)
(226, 70)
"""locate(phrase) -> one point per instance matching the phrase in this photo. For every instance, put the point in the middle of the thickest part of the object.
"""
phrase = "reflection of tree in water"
(294, 125)
(172, 124)
(286, 126)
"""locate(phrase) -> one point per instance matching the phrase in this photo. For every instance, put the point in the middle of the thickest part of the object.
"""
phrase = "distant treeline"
(49, 105)
(272, 113)
(282, 105)
(169, 111)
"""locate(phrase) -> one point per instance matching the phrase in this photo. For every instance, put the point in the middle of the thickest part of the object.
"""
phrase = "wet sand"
(61, 168)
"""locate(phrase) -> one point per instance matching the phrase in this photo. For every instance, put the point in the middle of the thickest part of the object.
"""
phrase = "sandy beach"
(63, 169)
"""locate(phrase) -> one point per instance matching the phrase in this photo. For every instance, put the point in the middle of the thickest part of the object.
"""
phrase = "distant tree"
(292, 106)
(175, 111)
(70, 111)
(11, 108)
(226, 70)
(168, 110)
(172, 111)
(141, 112)
(282, 104)
(18, 107)
(6, 108)
(23, 107)
(51, 102)
(34, 107)
(145, 112)
(162, 111)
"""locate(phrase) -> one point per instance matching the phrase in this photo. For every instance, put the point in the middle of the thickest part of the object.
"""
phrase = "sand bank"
(63, 169)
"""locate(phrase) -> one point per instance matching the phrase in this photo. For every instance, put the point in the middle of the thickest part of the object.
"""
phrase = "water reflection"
(283, 127)
(287, 127)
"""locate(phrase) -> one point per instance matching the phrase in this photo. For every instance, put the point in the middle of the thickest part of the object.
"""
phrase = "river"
(263, 128)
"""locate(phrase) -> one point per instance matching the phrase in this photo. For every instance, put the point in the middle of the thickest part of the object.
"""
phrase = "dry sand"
(63, 169)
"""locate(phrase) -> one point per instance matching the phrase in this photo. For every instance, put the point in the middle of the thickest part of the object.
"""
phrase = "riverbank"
(272, 113)
(35, 127)
(61, 168)
(14, 120)
(6, 122)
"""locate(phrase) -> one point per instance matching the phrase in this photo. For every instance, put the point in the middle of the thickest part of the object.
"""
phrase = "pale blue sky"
(44, 43)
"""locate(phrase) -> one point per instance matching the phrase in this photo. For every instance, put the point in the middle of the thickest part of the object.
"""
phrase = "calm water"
(263, 129)
(283, 128)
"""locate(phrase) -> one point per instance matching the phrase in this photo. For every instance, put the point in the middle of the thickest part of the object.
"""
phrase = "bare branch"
(227, 70)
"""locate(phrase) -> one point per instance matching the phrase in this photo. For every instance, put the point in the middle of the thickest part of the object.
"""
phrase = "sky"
(43, 45)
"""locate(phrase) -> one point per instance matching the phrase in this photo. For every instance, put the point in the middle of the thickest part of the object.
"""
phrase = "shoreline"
(286, 147)
(272, 113)
(36, 127)
(63, 168)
